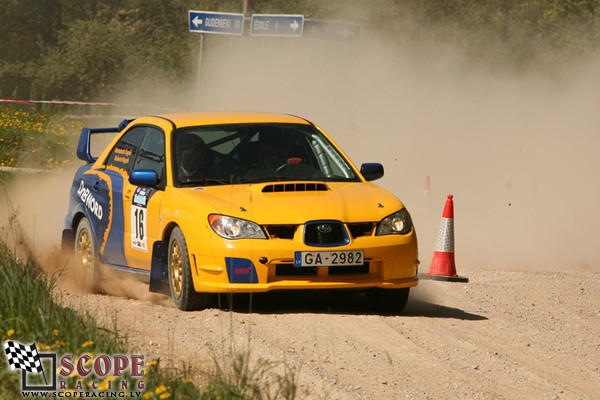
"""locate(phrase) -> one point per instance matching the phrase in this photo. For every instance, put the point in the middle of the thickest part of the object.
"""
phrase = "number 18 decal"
(138, 219)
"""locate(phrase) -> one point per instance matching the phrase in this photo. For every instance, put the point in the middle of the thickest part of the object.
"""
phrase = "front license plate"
(328, 258)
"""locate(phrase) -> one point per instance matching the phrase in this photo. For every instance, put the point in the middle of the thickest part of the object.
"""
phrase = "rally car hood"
(296, 203)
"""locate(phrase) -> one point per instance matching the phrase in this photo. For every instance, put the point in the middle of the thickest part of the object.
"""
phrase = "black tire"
(86, 256)
(388, 301)
(181, 284)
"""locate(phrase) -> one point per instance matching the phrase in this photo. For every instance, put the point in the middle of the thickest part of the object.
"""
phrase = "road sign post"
(213, 22)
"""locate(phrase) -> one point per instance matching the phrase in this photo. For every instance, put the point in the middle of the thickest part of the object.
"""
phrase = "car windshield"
(251, 153)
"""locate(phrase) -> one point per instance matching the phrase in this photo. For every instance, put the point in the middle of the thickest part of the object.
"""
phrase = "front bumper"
(254, 265)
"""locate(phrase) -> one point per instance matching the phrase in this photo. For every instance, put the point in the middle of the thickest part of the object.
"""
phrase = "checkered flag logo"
(23, 357)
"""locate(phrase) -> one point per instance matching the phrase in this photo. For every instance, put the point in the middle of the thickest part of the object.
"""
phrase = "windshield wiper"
(205, 182)
(261, 179)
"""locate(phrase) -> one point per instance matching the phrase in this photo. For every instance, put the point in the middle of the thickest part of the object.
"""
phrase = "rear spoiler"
(83, 147)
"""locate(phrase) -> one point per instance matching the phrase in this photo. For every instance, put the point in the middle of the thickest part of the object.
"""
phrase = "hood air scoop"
(295, 187)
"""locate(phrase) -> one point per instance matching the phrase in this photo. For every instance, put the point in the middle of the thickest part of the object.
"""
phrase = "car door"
(141, 204)
(112, 178)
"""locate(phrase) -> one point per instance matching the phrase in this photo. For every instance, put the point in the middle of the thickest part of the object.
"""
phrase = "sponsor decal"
(141, 195)
(89, 200)
(139, 212)
(240, 270)
(122, 156)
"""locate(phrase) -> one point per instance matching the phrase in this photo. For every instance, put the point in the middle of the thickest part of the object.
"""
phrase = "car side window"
(151, 154)
(123, 154)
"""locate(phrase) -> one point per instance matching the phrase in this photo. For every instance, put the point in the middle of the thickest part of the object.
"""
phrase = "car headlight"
(399, 223)
(235, 228)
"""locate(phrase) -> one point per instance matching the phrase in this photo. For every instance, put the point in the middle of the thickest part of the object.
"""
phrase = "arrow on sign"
(216, 22)
(277, 25)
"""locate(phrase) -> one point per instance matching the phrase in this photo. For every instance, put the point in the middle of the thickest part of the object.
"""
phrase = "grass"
(37, 140)
(30, 308)
(29, 313)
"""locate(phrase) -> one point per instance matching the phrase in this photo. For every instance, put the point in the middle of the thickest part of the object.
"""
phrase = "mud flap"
(159, 279)
(68, 240)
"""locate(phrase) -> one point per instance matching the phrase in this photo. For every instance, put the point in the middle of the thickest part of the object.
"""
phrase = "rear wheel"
(183, 293)
(388, 301)
(86, 255)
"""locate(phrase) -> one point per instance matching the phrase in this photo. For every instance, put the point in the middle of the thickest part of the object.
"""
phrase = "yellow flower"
(55, 332)
(164, 395)
(10, 331)
(161, 389)
(88, 343)
(147, 395)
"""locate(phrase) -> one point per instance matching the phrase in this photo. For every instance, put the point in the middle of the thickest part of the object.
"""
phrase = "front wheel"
(183, 293)
(388, 301)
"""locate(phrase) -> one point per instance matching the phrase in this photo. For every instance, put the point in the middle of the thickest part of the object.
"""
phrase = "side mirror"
(144, 177)
(371, 171)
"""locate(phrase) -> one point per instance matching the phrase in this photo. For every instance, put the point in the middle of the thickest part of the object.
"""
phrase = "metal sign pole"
(199, 69)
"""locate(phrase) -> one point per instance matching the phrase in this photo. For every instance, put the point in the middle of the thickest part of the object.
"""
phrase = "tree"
(88, 59)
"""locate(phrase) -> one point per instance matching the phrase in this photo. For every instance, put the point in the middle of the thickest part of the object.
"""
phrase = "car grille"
(349, 269)
(281, 231)
(314, 237)
(361, 229)
(295, 187)
(325, 233)
(291, 270)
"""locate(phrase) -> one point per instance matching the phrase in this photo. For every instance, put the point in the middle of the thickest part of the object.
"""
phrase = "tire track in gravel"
(504, 335)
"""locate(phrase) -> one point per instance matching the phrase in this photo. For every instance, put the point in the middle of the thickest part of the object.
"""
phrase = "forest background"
(94, 50)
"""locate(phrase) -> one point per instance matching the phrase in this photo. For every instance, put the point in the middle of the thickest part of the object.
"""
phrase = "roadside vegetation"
(31, 311)
(37, 140)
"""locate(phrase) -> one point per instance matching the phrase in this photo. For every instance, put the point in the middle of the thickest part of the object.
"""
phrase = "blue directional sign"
(331, 30)
(216, 22)
(277, 25)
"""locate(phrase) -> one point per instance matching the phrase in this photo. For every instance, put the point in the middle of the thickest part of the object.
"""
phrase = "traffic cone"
(443, 267)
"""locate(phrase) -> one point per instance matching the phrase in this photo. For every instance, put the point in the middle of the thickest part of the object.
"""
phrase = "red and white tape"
(85, 103)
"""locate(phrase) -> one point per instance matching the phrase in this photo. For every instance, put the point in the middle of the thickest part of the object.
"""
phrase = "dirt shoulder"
(504, 335)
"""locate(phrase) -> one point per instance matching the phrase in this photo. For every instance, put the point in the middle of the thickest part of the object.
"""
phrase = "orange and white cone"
(443, 267)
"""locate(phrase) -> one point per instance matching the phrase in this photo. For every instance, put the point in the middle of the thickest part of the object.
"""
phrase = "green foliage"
(89, 56)
(30, 311)
(37, 140)
(243, 380)
(86, 49)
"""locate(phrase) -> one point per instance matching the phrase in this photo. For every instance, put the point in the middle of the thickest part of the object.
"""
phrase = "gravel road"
(503, 335)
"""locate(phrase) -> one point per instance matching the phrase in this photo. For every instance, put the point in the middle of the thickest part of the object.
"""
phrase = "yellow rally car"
(231, 202)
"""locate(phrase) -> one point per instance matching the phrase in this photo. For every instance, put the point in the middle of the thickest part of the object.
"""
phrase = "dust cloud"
(517, 151)
(32, 213)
